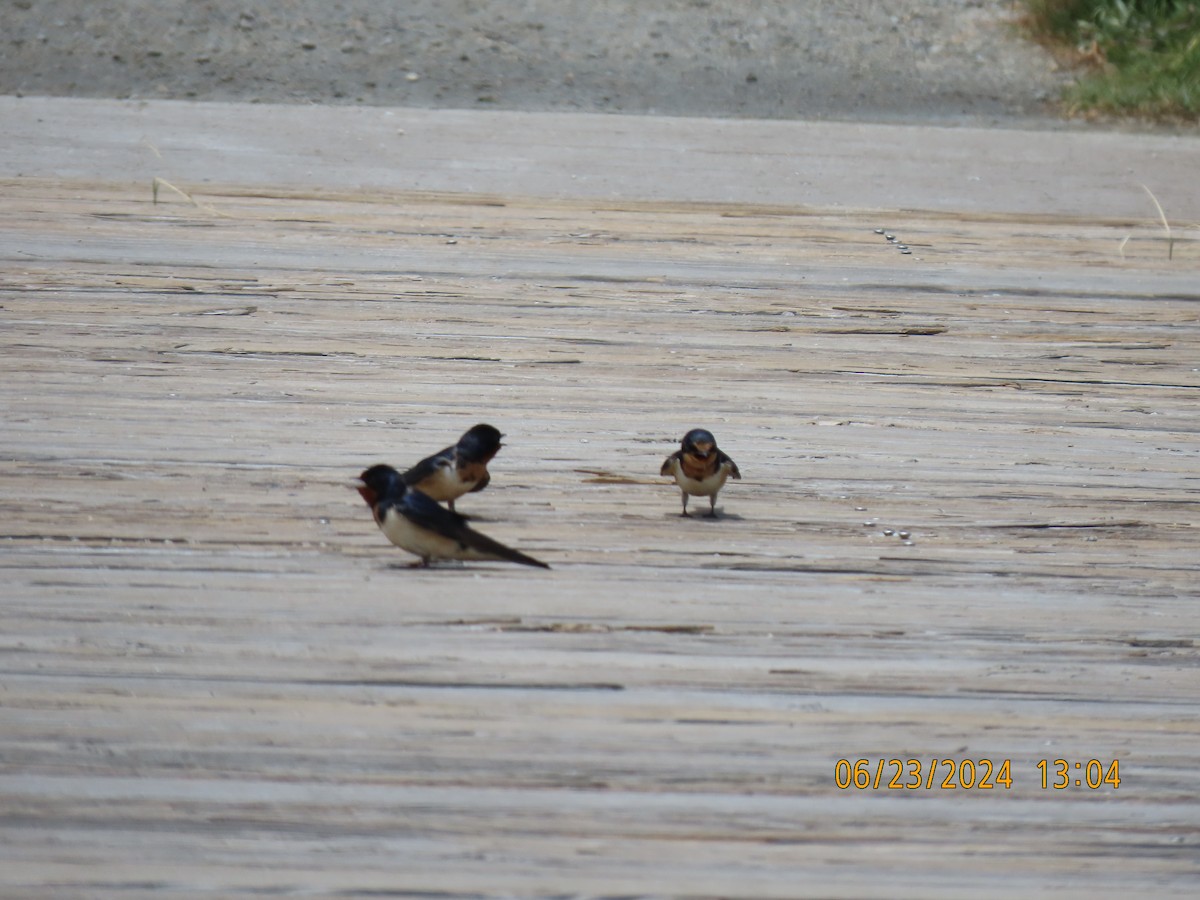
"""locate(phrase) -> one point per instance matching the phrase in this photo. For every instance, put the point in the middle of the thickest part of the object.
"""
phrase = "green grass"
(1143, 56)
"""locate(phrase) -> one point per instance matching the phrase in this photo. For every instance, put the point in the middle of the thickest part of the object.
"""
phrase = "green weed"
(1142, 56)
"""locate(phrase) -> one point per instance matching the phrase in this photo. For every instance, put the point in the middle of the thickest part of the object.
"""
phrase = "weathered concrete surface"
(214, 681)
(795, 164)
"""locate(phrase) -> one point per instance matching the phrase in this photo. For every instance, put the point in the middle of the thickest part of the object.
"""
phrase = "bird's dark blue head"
(381, 483)
(699, 442)
(481, 442)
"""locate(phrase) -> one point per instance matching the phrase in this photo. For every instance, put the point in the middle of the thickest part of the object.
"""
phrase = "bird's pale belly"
(423, 542)
(701, 487)
(444, 485)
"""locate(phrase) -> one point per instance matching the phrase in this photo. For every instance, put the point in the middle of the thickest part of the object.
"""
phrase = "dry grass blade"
(1166, 225)
(185, 195)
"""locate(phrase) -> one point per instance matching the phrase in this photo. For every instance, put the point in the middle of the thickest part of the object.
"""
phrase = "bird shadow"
(705, 517)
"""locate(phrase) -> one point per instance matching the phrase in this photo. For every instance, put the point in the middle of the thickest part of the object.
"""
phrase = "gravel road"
(904, 60)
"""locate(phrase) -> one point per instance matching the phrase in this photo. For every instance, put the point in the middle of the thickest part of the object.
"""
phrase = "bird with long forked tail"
(417, 523)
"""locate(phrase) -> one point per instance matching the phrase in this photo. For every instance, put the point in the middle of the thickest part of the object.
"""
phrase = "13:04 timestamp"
(1059, 774)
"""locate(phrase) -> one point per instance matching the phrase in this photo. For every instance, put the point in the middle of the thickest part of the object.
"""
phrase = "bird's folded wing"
(733, 469)
(428, 466)
(668, 464)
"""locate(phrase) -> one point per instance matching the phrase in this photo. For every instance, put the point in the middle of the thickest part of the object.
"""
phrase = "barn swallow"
(415, 522)
(700, 468)
(457, 470)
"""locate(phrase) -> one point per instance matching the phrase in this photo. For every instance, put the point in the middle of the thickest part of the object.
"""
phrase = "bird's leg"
(712, 506)
(685, 512)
